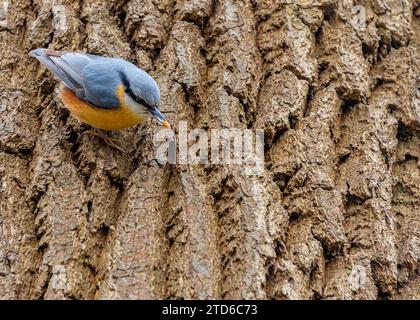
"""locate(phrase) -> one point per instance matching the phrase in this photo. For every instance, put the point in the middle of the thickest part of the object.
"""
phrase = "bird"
(106, 93)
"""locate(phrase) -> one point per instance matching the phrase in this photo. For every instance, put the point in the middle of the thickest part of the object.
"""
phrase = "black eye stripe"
(131, 93)
(136, 98)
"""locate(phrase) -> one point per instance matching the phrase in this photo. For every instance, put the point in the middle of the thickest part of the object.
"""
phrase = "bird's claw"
(108, 140)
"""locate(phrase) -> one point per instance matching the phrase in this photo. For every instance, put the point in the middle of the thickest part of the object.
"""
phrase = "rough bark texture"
(336, 213)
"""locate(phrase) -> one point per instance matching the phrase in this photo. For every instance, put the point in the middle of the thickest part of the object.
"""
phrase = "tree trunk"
(336, 212)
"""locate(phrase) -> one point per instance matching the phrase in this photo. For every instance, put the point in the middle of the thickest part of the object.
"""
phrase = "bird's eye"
(136, 98)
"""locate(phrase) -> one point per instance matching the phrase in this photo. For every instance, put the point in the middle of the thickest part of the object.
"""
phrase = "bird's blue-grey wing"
(70, 67)
(100, 81)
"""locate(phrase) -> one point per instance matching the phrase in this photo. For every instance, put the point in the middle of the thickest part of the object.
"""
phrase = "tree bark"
(336, 213)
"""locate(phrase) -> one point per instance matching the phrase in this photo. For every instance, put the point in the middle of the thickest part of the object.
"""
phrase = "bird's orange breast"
(108, 119)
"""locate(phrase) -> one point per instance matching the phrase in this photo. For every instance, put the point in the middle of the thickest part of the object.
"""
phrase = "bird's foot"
(108, 140)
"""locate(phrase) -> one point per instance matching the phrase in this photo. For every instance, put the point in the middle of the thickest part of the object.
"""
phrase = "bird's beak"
(166, 124)
(160, 117)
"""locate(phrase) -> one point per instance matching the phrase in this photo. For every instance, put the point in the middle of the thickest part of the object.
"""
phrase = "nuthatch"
(106, 93)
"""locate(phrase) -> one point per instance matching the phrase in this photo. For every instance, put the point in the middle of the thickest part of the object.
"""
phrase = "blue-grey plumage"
(97, 80)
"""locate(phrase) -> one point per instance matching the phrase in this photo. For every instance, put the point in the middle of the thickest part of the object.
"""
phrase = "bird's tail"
(44, 56)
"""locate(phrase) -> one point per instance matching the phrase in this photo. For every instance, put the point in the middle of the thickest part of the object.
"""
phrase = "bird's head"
(143, 92)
